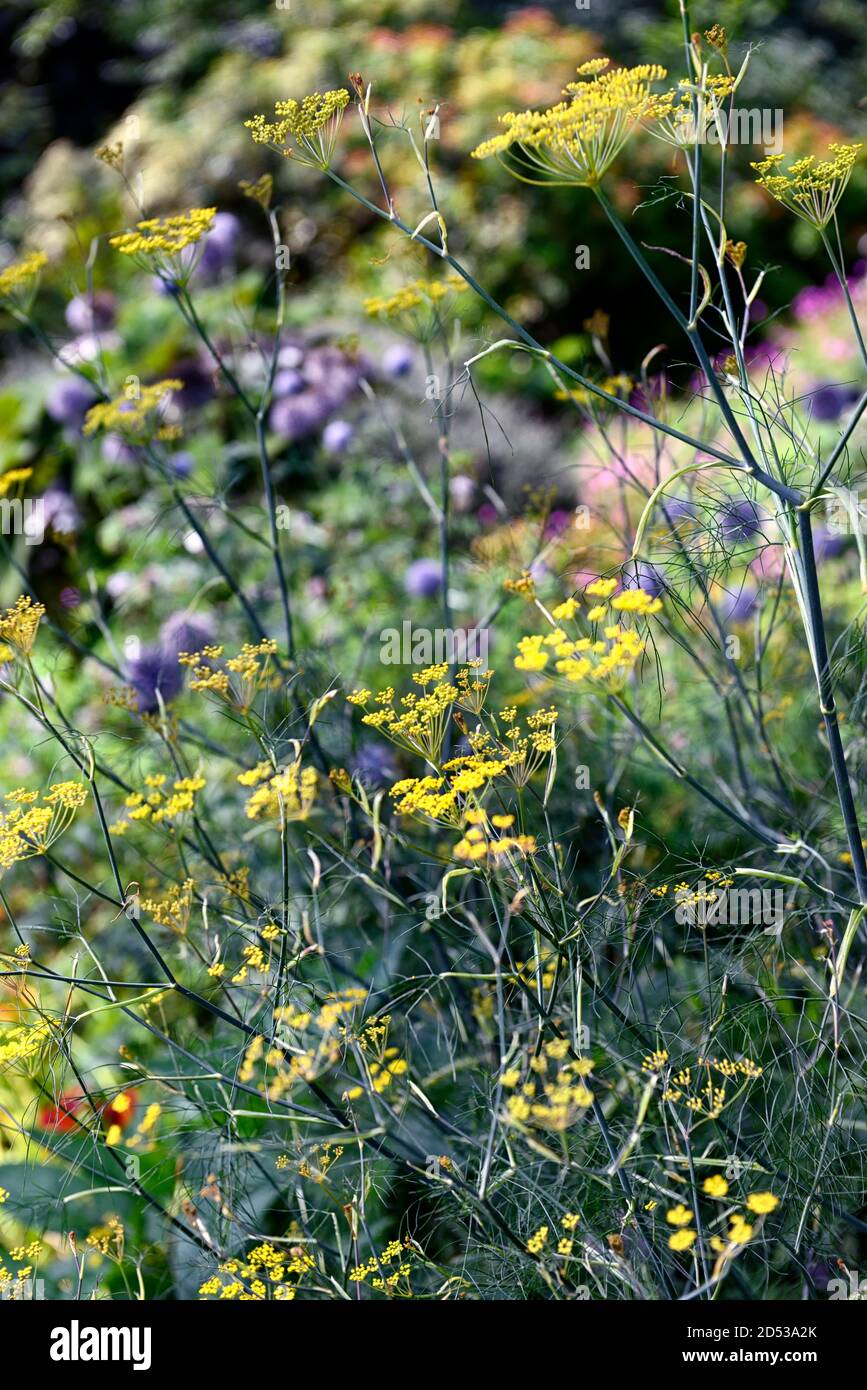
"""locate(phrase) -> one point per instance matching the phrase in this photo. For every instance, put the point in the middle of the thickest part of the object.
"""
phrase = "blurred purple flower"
(69, 400)
(423, 578)
(182, 463)
(828, 401)
(337, 436)
(59, 510)
(374, 766)
(292, 417)
(739, 521)
(185, 632)
(647, 577)
(220, 245)
(91, 313)
(154, 674)
(288, 382)
(398, 360)
(115, 449)
(737, 607)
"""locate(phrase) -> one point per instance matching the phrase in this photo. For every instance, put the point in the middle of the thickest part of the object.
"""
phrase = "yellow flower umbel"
(20, 624)
(18, 280)
(417, 307)
(809, 188)
(284, 796)
(577, 141)
(601, 658)
(235, 679)
(169, 245)
(685, 115)
(29, 826)
(136, 416)
(306, 131)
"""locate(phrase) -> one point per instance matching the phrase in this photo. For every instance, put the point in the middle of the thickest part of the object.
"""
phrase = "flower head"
(166, 242)
(576, 141)
(21, 274)
(306, 131)
(810, 188)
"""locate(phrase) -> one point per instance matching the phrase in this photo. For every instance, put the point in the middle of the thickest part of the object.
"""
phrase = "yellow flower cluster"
(12, 477)
(131, 415)
(156, 805)
(381, 1074)
(421, 294)
(686, 114)
(384, 1273)
(311, 126)
(576, 141)
(810, 188)
(422, 726)
(173, 910)
(483, 839)
(238, 679)
(263, 1274)
(21, 272)
(20, 624)
(166, 236)
(30, 827)
(604, 660)
(558, 1095)
(24, 1042)
(286, 795)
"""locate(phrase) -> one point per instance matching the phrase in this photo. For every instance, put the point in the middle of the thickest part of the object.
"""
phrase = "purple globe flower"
(374, 766)
(423, 578)
(398, 360)
(288, 382)
(646, 577)
(154, 675)
(739, 521)
(115, 449)
(827, 402)
(59, 511)
(678, 509)
(220, 245)
(92, 313)
(185, 632)
(337, 436)
(737, 607)
(292, 417)
(69, 400)
(827, 543)
(182, 463)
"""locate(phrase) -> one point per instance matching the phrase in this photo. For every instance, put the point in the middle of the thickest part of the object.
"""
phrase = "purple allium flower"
(185, 632)
(153, 675)
(115, 449)
(827, 402)
(294, 416)
(739, 521)
(423, 578)
(827, 543)
(737, 607)
(92, 313)
(337, 436)
(288, 382)
(398, 360)
(182, 463)
(558, 522)
(220, 245)
(646, 577)
(70, 597)
(374, 766)
(331, 372)
(59, 510)
(69, 400)
(678, 509)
